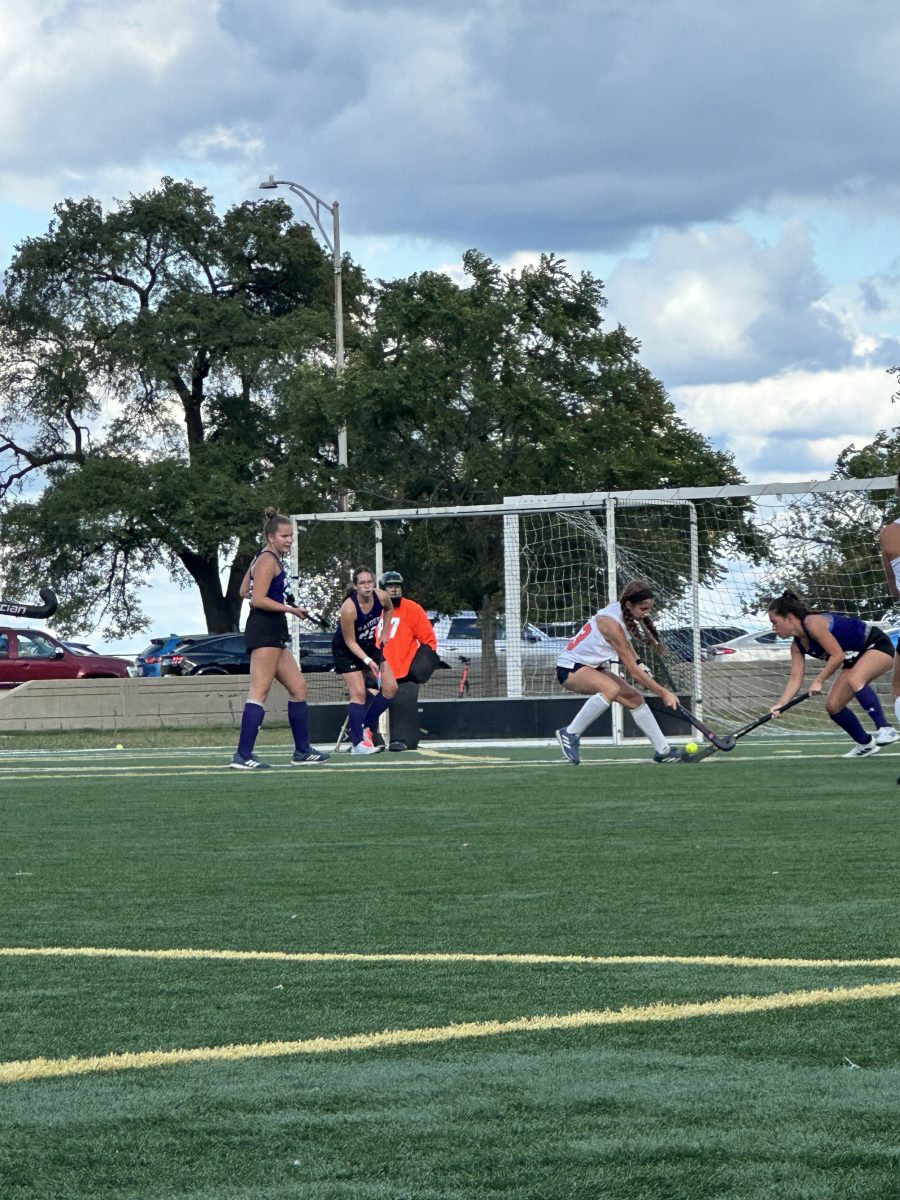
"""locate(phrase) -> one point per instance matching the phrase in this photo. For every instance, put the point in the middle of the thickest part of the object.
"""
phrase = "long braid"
(652, 630)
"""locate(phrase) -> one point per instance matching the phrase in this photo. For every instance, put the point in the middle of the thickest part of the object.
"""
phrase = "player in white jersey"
(889, 543)
(583, 667)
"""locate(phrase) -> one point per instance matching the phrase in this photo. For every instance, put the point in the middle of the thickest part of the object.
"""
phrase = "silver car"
(762, 646)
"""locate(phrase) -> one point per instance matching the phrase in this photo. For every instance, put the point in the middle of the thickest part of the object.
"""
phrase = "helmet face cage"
(391, 579)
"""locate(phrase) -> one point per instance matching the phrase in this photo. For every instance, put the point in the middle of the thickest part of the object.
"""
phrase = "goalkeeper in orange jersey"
(409, 645)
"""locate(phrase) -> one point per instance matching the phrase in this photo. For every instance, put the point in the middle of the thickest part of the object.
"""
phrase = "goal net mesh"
(713, 584)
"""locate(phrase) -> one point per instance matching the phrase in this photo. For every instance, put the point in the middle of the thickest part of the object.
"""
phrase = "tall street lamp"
(316, 204)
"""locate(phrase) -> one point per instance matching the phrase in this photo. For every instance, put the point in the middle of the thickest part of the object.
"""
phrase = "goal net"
(715, 559)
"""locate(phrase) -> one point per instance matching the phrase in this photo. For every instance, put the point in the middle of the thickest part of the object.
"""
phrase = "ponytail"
(789, 604)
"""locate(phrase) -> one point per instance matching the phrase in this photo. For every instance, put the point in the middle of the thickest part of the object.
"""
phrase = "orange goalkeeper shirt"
(409, 629)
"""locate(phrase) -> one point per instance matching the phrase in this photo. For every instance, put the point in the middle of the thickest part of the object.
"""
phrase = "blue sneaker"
(673, 754)
(570, 744)
(301, 758)
(249, 764)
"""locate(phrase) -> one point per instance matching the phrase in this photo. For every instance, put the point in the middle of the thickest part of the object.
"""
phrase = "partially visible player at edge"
(889, 542)
(846, 644)
(360, 661)
(583, 667)
(267, 639)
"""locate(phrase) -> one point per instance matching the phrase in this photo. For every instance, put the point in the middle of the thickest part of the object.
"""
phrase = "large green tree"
(510, 384)
(149, 357)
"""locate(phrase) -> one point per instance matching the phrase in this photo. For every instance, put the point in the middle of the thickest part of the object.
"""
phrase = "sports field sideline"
(472, 971)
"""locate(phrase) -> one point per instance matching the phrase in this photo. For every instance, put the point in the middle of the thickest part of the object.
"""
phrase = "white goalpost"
(712, 556)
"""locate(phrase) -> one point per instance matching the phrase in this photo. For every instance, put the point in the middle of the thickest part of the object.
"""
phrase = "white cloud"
(717, 305)
(791, 426)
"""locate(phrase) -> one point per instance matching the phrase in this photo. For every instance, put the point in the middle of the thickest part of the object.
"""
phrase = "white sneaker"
(364, 747)
(885, 735)
(862, 751)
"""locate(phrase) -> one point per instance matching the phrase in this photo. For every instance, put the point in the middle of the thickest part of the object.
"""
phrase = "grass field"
(465, 974)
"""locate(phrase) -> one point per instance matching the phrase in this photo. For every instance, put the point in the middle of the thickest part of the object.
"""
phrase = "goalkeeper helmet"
(391, 579)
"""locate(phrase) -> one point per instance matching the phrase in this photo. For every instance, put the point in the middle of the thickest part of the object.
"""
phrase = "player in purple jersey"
(267, 639)
(860, 652)
(359, 660)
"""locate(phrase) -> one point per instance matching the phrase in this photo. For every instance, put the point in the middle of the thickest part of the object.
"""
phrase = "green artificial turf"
(758, 854)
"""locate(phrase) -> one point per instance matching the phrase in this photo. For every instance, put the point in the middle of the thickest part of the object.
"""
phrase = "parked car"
(680, 641)
(212, 654)
(459, 636)
(147, 662)
(27, 654)
(316, 654)
(226, 654)
(764, 646)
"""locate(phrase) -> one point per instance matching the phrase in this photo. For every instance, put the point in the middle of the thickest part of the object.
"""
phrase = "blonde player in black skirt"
(268, 640)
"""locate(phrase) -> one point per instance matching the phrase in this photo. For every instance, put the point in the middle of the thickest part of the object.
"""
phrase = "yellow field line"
(327, 956)
(48, 1068)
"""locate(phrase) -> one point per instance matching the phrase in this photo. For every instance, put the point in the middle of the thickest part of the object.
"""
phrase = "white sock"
(595, 706)
(897, 708)
(646, 722)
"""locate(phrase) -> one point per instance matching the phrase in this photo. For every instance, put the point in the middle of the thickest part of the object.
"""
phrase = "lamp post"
(316, 204)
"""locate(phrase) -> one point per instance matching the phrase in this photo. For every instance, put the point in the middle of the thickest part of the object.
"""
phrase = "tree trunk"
(221, 610)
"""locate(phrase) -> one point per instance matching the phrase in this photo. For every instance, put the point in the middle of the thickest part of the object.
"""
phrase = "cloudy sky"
(729, 170)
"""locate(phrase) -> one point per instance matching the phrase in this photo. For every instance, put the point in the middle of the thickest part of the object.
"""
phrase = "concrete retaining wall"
(130, 703)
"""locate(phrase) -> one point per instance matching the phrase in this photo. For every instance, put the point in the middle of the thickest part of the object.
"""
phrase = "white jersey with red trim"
(589, 648)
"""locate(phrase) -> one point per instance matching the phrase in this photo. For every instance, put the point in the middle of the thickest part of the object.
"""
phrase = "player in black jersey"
(359, 660)
(268, 640)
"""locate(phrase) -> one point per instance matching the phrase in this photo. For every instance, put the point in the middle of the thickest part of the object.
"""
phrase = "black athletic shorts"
(563, 673)
(876, 639)
(266, 629)
(344, 661)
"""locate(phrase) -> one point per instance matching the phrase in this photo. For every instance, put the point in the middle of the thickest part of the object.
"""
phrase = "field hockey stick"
(316, 618)
(706, 751)
(727, 742)
(13, 609)
(341, 736)
(739, 733)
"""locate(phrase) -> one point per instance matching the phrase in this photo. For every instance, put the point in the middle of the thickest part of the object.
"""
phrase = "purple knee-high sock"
(356, 712)
(377, 705)
(850, 724)
(298, 718)
(868, 698)
(251, 720)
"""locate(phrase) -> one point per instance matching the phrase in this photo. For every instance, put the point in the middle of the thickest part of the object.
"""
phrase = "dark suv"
(226, 654)
(27, 654)
(212, 654)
